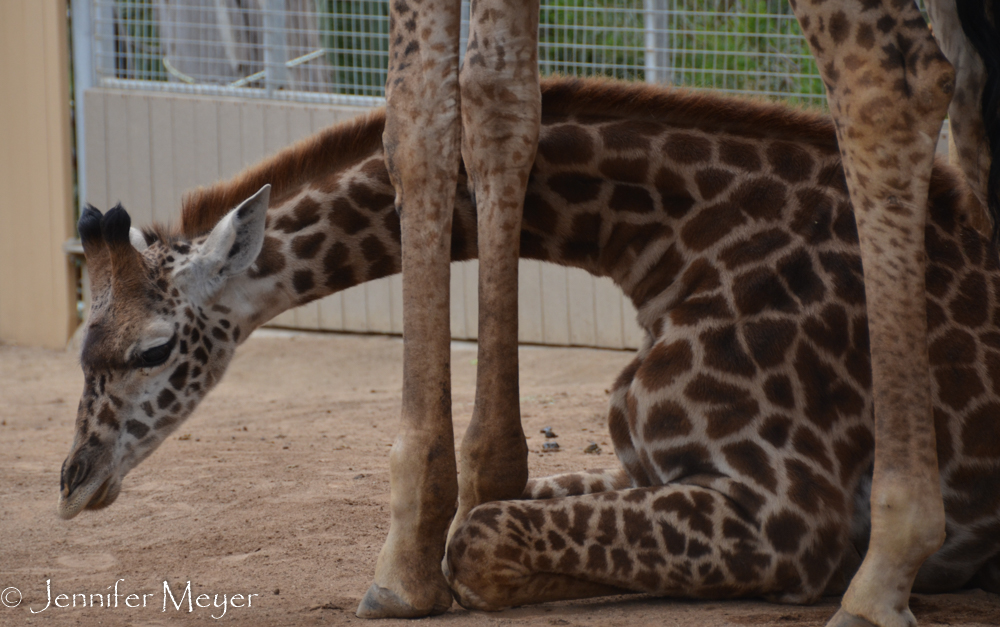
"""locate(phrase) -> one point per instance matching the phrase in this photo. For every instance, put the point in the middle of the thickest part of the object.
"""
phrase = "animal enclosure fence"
(172, 94)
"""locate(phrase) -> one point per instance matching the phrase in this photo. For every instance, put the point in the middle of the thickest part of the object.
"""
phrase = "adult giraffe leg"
(422, 148)
(971, 152)
(501, 115)
(889, 87)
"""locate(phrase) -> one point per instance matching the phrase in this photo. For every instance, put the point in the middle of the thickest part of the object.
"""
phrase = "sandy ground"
(278, 486)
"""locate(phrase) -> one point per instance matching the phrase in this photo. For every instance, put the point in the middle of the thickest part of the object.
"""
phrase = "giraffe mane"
(336, 147)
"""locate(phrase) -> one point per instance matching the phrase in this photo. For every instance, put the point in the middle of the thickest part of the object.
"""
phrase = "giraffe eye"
(156, 355)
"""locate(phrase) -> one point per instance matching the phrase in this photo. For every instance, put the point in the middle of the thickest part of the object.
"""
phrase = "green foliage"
(592, 37)
(356, 36)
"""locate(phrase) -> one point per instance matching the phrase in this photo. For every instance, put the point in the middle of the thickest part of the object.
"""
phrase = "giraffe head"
(165, 318)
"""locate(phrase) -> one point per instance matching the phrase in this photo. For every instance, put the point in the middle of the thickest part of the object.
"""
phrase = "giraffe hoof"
(843, 618)
(382, 602)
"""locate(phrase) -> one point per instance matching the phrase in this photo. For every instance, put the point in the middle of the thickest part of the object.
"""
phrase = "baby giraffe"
(743, 426)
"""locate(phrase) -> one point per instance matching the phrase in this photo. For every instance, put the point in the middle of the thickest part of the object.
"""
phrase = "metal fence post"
(275, 46)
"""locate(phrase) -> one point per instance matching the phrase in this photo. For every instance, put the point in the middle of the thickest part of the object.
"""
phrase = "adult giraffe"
(889, 88)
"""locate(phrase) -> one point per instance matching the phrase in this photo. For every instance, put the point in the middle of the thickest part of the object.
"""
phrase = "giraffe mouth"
(96, 494)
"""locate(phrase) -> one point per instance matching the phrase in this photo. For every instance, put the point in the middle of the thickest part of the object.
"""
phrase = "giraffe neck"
(651, 196)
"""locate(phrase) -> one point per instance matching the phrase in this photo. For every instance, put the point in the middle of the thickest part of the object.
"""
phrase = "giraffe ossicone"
(744, 427)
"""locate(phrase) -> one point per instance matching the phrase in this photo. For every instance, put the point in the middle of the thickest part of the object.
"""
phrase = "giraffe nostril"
(73, 476)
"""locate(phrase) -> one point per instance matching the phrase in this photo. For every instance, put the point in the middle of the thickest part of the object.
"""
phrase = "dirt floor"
(278, 486)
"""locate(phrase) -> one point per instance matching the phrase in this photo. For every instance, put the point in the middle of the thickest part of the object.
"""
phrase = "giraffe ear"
(233, 245)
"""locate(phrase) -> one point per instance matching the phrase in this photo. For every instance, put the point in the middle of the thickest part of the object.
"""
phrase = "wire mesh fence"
(338, 49)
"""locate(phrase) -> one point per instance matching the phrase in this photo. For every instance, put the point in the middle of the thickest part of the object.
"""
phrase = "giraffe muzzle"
(78, 493)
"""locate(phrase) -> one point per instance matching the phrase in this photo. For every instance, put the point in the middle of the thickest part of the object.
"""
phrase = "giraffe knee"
(471, 564)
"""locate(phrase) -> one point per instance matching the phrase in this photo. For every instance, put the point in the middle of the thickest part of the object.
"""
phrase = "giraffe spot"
(734, 407)
(810, 491)
(648, 580)
(733, 529)
(165, 398)
(580, 528)
(696, 310)
(789, 161)
(814, 217)
(374, 169)
(556, 541)
(696, 511)
(347, 218)
(972, 246)
(710, 225)
(147, 408)
(775, 429)
(305, 214)
(865, 36)
(943, 251)
(638, 529)
(744, 502)
(829, 330)
(597, 560)
(697, 549)
(508, 553)
(627, 242)
(219, 334)
(339, 275)
(970, 305)
(687, 148)
(178, 379)
(827, 396)
(844, 226)
(750, 460)
(572, 484)
(367, 198)
(625, 170)
(659, 277)
(847, 275)
(575, 187)
(760, 198)
(303, 281)
(936, 317)
(701, 276)
(976, 492)
(723, 351)
(993, 370)
(391, 223)
(768, 340)
(810, 446)
(855, 453)
(569, 561)
(785, 531)
(306, 246)
(630, 198)
(674, 541)
(675, 198)
(823, 555)
(107, 417)
(528, 517)
(666, 420)
(754, 249)
(269, 261)
(745, 565)
(136, 428)
(200, 355)
(712, 181)
(629, 135)
(742, 155)
(957, 386)
(539, 214)
(565, 144)
(938, 280)
(584, 243)
(954, 347)
(380, 262)
(488, 516)
(832, 176)
(761, 290)
(664, 363)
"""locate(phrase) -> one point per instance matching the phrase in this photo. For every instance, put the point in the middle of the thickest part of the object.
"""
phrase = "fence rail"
(331, 50)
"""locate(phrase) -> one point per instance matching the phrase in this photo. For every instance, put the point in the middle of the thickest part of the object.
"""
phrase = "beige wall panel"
(555, 304)
(97, 151)
(456, 301)
(529, 301)
(355, 309)
(378, 303)
(299, 123)
(140, 193)
(206, 141)
(35, 284)
(582, 315)
(607, 313)
(252, 123)
(166, 195)
(116, 134)
(185, 175)
(331, 313)
(230, 138)
(471, 296)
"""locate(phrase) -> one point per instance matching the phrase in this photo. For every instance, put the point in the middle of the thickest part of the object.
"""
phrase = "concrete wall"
(37, 305)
